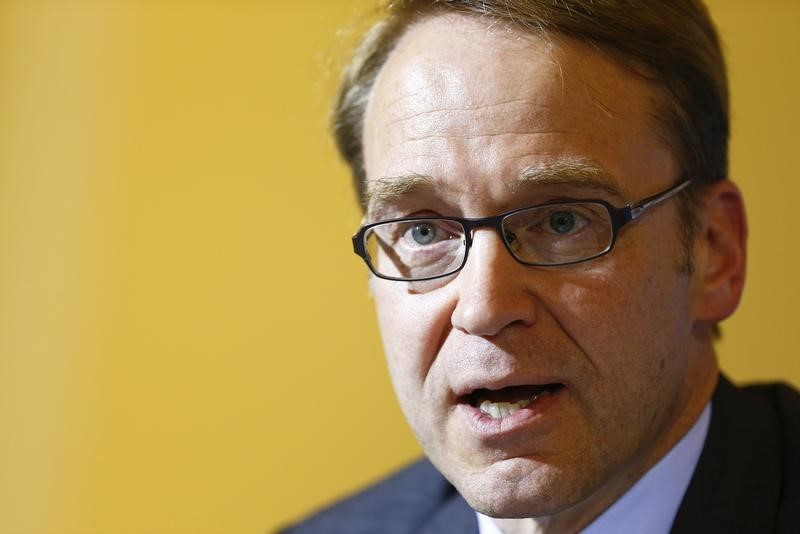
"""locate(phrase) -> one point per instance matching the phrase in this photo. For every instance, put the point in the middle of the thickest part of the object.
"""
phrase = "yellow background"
(186, 339)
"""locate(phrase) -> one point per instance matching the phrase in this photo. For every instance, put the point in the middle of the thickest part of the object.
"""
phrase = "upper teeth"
(496, 410)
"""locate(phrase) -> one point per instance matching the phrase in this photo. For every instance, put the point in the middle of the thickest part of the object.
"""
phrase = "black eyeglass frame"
(619, 218)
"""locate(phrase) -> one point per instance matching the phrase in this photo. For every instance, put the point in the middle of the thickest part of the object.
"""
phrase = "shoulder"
(748, 475)
(784, 410)
(782, 399)
(765, 415)
(410, 500)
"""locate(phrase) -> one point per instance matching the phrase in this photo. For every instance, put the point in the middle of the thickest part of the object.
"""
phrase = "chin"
(518, 488)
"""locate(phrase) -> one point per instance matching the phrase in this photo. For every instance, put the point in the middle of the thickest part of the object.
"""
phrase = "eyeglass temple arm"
(634, 210)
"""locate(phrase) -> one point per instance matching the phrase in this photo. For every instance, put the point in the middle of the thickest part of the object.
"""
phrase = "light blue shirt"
(651, 504)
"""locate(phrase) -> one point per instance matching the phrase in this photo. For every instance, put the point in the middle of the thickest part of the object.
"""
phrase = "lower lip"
(535, 416)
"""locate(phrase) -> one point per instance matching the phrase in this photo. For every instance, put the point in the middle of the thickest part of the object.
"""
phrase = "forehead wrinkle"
(572, 172)
(515, 133)
(475, 107)
(519, 116)
(482, 119)
(403, 96)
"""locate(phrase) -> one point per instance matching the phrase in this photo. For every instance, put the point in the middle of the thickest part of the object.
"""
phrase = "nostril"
(487, 305)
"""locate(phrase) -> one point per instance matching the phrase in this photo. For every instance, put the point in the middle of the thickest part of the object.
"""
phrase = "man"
(553, 241)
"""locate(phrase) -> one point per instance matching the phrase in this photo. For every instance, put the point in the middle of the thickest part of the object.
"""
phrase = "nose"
(493, 289)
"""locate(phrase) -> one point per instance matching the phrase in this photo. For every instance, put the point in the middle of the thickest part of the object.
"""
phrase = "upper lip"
(470, 386)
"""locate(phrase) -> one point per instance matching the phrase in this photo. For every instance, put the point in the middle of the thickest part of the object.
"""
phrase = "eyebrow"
(563, 172)
(568, 172)
(383, 191)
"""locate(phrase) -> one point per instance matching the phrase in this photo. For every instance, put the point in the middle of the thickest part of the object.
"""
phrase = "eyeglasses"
(546, 235)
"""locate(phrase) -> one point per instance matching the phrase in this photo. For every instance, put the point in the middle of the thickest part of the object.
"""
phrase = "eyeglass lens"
(543, 235)
(421, 248)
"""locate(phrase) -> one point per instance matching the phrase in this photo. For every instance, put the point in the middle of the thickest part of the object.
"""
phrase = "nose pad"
(492, 289)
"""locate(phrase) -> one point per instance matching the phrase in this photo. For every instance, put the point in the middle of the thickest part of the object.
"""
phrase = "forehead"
(472, 106)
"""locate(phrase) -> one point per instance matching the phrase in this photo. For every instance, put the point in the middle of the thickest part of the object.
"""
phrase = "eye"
(423, 233)
(562, 222)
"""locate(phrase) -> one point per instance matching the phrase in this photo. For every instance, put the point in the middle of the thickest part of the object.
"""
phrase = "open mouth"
(506, 401)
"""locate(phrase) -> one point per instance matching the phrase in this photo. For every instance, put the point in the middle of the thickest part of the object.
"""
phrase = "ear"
(720, 252)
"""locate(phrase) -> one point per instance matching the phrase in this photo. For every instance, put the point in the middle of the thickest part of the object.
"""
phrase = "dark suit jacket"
(747, 479)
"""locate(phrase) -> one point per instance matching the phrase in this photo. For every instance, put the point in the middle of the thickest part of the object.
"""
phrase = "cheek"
(632, 327)
(612, 304)
(412, 328)
(599, 300)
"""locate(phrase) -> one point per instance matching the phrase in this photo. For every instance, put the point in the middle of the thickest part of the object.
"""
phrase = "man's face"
(475, 109)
